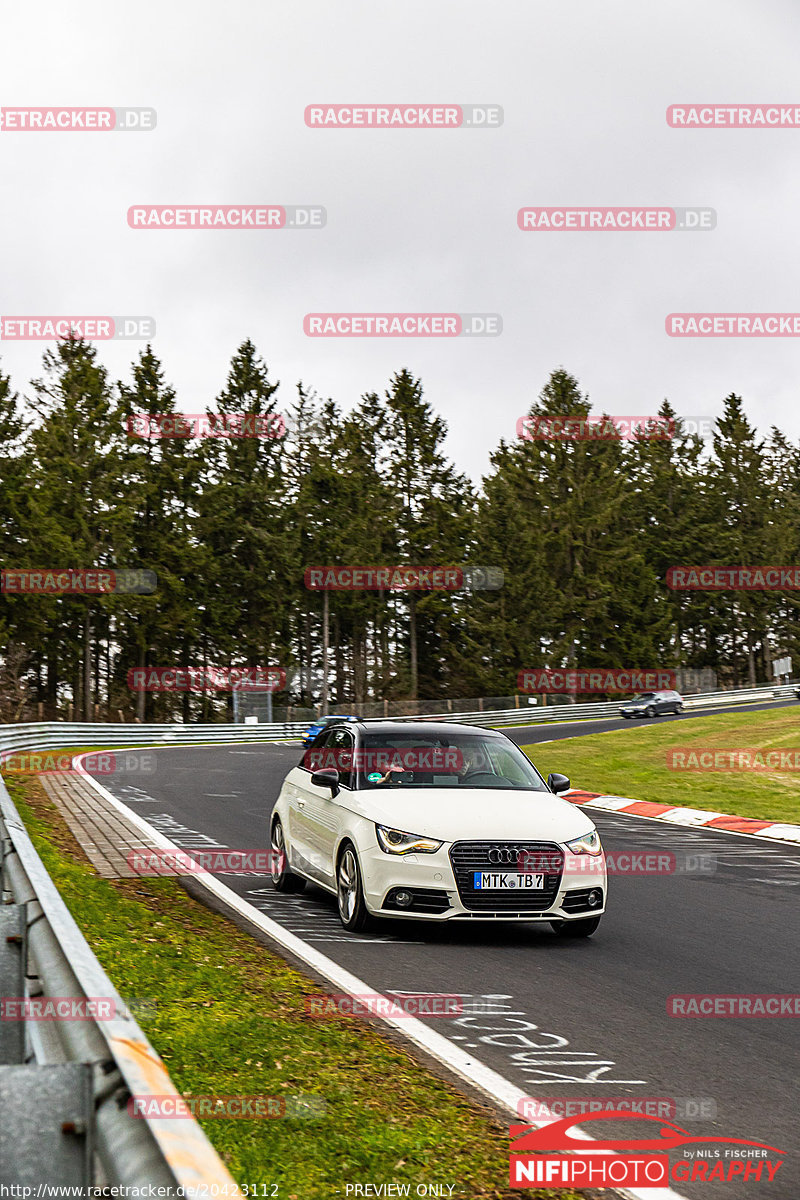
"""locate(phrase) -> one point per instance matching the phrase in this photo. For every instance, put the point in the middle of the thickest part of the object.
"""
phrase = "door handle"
(301, 803)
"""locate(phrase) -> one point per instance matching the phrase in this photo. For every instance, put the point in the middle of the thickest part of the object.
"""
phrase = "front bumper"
(439, 891)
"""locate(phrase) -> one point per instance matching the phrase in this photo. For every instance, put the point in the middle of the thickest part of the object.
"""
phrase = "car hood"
(452, 815)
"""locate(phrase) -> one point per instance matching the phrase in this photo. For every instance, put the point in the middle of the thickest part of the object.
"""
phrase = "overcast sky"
(417, 220)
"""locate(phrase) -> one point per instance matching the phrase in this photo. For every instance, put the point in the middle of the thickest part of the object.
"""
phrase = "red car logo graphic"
(557, 1136)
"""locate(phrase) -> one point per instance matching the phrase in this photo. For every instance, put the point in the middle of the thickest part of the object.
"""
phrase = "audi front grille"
(466, 857)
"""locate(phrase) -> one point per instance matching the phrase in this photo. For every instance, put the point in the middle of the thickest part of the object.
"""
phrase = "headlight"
(394, 841)
(588, 844)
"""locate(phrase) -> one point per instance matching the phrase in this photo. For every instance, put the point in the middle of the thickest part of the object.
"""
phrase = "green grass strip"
(635, 762)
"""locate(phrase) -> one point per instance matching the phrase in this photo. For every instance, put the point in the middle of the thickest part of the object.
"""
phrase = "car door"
(322, 814)
(299, 792)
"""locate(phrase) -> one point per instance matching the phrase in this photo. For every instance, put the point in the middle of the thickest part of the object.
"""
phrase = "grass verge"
(634, 762)
(228, 1018)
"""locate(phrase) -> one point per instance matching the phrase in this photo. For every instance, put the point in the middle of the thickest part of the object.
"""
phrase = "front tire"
(283, 880)
(583, 928)
(650, 712)
(349, 892)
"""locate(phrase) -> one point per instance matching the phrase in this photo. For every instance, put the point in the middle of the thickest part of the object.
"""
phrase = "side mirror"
(326, 777)
(558, 783)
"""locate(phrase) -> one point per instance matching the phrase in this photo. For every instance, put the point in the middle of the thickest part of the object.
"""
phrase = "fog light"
(403, 899)
(595, 898)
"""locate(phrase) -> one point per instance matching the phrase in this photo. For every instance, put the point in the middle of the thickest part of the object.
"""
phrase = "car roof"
(433, 728)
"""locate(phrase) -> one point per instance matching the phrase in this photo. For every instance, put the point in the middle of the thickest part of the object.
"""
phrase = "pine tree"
(560, 512)
(668, 477)
(740, 504)
(153, 524)
(435, 517)
(16, 631)
(241, 528)
(74, 474)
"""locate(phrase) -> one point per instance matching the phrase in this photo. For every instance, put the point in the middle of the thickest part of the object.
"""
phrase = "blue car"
(321, 724)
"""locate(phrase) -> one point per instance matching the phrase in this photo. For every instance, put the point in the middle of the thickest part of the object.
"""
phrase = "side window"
(343, 743)
(312, 759)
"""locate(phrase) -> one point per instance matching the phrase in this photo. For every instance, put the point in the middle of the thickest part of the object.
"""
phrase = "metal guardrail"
(48, 735)
(65, 1084)
(531, 715)
(51, 735)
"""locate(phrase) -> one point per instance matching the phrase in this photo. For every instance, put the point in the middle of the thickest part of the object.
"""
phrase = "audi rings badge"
(503, 854)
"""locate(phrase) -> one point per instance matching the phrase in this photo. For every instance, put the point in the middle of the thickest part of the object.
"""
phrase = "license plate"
(506, 881)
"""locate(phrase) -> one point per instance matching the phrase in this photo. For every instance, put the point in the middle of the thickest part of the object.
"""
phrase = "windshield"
(646, 696)
(457, 760)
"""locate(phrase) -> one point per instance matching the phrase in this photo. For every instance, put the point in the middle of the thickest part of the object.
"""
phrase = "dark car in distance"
(652, 704)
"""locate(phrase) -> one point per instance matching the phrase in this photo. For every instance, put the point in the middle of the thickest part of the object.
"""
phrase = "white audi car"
(437, 822)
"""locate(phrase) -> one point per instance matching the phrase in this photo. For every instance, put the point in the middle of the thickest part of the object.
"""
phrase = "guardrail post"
(46, 1132)
(12, 978)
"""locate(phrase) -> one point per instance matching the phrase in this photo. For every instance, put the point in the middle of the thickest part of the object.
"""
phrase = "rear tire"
(583, 928)
(349, 892)
(283, 880)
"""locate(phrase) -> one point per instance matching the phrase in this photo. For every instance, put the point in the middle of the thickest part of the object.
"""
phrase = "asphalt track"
(564, 1020)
